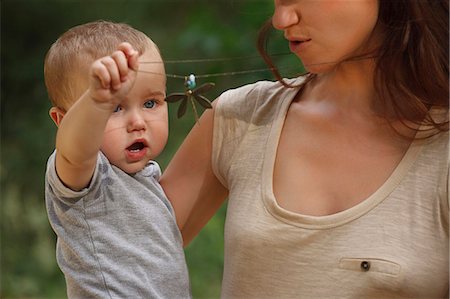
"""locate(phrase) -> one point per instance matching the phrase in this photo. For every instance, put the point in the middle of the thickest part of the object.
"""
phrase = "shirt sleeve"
(232, 118)
(65, 194)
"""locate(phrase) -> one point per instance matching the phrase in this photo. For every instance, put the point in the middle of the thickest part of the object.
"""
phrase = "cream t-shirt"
(394, 244)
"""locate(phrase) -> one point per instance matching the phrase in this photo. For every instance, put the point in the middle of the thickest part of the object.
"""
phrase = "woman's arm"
(191, 186)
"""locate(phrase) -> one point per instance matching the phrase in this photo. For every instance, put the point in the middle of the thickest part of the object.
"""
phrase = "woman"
(337, 182)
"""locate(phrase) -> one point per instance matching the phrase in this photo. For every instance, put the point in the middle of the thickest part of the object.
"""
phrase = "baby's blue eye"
(118, 108)
(150, 104)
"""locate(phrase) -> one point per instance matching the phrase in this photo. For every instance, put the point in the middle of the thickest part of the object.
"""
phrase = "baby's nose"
(136, 121)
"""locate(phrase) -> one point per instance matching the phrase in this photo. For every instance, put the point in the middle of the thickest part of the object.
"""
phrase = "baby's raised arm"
(80, 133)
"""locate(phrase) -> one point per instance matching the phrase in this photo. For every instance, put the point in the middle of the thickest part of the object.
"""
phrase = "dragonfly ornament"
(191, 94)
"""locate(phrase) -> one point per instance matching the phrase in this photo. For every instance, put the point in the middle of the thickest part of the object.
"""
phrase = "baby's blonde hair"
(68, 60)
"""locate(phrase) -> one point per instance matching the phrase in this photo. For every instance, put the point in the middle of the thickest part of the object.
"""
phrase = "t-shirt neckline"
(327, 221)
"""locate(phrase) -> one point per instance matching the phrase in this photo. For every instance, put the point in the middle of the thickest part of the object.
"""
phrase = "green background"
(183, 30)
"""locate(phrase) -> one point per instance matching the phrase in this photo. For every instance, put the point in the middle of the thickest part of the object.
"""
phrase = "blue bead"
(190, 81)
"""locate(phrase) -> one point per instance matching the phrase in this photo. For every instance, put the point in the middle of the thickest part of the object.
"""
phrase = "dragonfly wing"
(175, 97)
(203, 88)
(203, 101)
(182, 108)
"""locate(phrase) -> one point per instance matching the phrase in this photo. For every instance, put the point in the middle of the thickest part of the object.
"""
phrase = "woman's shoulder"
(256, 97)
(437, 146)
(264, 87)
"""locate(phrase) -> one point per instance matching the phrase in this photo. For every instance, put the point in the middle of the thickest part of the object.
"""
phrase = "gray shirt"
(117, 238)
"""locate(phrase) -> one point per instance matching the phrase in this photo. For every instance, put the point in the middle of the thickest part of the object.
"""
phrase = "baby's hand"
(112, 77)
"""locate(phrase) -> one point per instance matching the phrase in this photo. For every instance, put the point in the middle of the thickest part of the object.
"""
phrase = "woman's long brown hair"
(412, 63)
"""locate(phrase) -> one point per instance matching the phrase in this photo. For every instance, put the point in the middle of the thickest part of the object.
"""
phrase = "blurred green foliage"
(183, 30)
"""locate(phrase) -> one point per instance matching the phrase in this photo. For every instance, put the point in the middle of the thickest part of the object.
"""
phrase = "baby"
(116, 229)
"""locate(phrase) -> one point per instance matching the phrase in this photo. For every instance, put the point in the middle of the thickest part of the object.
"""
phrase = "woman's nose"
(284, 16)
(135, 121)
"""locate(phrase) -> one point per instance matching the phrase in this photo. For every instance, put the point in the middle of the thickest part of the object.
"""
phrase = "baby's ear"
(56, 114)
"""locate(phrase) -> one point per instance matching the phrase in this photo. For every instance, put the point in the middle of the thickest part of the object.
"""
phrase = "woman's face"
(324, 32)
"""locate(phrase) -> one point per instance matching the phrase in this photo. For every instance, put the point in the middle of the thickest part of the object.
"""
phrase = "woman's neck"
(347, 87)
(346, 95)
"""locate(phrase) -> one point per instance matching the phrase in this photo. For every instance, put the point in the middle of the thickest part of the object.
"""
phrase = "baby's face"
(138, 130)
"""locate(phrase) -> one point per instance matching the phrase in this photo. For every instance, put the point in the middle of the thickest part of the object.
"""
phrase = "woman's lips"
(297, 46)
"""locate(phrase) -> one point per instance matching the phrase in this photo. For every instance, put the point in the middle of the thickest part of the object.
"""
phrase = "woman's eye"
(150, 104)
(118, 108)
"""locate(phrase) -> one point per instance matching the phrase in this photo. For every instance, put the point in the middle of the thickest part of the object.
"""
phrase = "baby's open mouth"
(135, 147)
